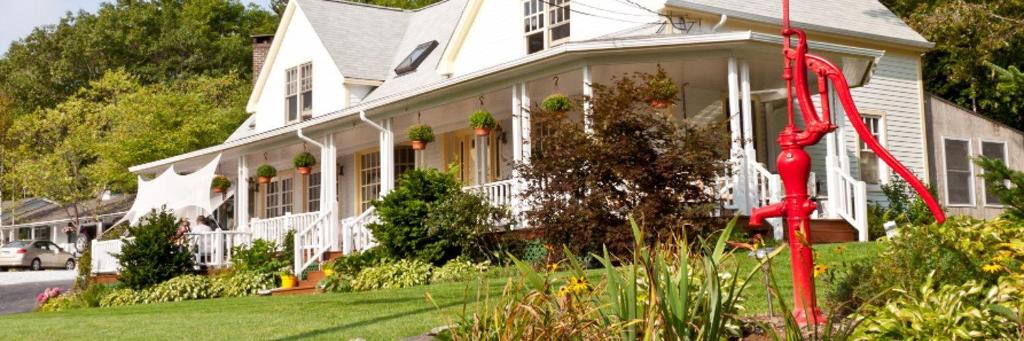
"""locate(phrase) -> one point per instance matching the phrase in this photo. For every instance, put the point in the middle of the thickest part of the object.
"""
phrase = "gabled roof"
(857, 18)
(358, 36)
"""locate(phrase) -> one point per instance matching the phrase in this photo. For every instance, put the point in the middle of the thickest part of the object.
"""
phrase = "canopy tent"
(187, 196)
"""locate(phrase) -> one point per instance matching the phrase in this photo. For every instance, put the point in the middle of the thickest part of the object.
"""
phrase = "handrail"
(300, 246)
(362, 238)
(851, 202)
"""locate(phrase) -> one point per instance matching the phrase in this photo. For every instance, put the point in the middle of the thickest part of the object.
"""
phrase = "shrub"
(238, 283)
(482, 119)
(581, 186)
(842, 282)
(351, 264)
(124, 296)
(47, 295)
(182, 288)
(964, 311)
(421, 132)
(260, 256)
(401, 231)
(998, 177)
(392, 275)
(84, 268)
(220, 182)
(58, 303)
(460, 222)
(304, 159)
(556, 103)
(266, 171)
(459, 269)
(152, 256)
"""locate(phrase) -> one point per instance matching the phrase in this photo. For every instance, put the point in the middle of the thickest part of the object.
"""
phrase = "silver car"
(35, 255)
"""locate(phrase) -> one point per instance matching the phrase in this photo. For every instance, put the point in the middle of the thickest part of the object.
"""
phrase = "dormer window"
(541, 33)
(417, 56)
(298, 97)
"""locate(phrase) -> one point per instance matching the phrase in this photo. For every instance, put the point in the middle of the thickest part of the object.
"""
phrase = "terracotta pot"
(482, 131)
(660, 104)
(264, 179)
(288, 281)
(419, 145)
(305, 170)
(218, 190)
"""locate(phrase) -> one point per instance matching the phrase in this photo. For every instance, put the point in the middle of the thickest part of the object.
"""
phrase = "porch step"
(305, 286)
(823, 231)
(332, 255)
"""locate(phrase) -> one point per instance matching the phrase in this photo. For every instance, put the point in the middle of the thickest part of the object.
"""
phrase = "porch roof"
(37, 211)
(517, 70)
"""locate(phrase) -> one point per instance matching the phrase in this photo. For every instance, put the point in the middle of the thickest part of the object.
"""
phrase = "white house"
(344, 81)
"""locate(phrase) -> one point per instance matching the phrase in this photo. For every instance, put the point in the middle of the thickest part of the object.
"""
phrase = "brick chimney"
(260, 48)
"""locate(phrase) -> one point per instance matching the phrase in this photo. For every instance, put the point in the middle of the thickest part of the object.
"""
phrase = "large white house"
(344, 81)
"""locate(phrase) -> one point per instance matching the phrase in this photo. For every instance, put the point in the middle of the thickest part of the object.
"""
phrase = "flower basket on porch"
(557, 104)
(220, 184)
(482, 121)
(265, 173)
(304, 162)
(662, 91)
(420, 135)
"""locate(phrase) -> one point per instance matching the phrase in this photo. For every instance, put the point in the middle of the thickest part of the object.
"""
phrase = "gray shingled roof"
(358, 36)
(37, 210)
(859, 18)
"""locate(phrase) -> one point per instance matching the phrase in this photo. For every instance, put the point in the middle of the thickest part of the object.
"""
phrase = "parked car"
(35, 255)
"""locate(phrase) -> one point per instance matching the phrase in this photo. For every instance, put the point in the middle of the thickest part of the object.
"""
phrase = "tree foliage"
(968, 36)
(637, 161)
(1007, 184)
(152, 255)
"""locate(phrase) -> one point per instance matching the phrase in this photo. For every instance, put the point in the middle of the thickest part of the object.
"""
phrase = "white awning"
(187, 196)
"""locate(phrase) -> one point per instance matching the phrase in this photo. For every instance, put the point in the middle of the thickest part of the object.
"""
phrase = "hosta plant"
(392, 275)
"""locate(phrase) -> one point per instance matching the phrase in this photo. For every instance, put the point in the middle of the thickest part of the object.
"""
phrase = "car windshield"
(16, 244)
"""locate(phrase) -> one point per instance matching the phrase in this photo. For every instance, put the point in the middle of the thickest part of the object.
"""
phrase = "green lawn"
(374, 315)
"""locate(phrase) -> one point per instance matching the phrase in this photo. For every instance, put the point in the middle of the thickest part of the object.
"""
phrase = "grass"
(373, 315)
(824, 254)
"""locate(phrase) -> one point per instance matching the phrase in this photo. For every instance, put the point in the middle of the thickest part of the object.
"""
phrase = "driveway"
(18, 289)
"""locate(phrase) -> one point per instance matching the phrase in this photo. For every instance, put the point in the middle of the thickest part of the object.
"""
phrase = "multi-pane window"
(24, 233)
(869, 163)
(279, 197)
(298, 96)
(291, 95)
(541, 33)
(307, 89)
(42, 233)
(533, 25)
(369, 179)
(558, 16)
(313, 192)
(959, 183)
(405, 159)
(994, 151)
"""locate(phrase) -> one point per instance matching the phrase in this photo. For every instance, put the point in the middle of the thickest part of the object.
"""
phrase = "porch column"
(387, 157)
(329, 192)
(588, 92)
(481, 159)
(736, 146)
(242, 195)
(750, 155)
(525, 122)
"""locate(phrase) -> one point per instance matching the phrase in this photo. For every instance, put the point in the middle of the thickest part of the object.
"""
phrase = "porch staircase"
(308, 285)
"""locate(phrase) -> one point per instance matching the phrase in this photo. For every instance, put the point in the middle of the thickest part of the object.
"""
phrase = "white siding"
(300, 44)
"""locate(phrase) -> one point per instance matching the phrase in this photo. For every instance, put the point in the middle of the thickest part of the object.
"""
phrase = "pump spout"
(759, 214)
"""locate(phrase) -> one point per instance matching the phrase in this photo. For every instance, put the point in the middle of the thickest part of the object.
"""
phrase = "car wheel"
(70, 265)
(37, 265)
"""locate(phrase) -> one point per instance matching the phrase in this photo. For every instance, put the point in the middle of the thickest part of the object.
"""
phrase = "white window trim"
(307, 197)
(883, 139)
(546, 26)
(299, 113)
(970, 166)
(302, 112)
(984, 186)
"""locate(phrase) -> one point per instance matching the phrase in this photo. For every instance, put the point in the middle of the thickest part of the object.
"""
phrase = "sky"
(20, 17)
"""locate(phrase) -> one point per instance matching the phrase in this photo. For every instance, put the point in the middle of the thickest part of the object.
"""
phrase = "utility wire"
(574, 10)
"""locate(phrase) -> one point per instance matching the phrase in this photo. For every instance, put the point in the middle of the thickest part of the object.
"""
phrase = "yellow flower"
(991, 267)
(575, 285)
(553, 267)
(839, 249)
(328, 272)
(819, 270)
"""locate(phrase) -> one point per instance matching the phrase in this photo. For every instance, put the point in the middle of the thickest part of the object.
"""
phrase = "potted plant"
(220, 184)
(304, 162)
(557, 103)
(663, 92)
(420, 135)
(288, 280)
(482, 121)
(265, 173)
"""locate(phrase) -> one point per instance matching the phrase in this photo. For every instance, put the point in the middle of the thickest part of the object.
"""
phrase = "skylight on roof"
(411, 62)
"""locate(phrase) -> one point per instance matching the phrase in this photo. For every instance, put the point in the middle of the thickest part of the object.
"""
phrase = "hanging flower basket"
(557, 104)
(265, 173)
(662, 91)
(420, 135)
(482, 122)
(304, 163)
(220, 184)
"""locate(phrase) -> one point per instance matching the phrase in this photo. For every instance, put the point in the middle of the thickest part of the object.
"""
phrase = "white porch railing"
(850, 201)
(362, 238)
(498, 193)
(274, 229)
(311, 242)
(213, 249)
(103, 260)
